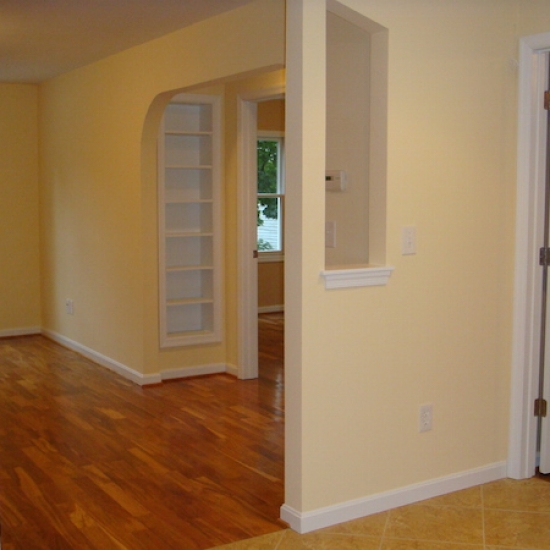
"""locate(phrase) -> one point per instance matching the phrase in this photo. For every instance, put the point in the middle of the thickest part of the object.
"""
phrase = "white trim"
(270, 257)
(353, 509)
(215, 334)
(186, 372)
(133, 375)
(526, 320)
(271, 309)
(356, 276)
(248, 265)
(27, 331)
(246, 198)
(233, 370)
(103, 360)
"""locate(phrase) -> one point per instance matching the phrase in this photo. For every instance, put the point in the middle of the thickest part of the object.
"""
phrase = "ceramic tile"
(515, 516)
(517, 529)
(527, 495)
(328, 541)
(396, 544)
(370, 525)
(264, 542)
(436, 523)
(467, 498)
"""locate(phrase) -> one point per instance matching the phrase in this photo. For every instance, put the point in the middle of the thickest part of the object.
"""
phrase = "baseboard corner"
(21, 331)
(103, 360)
(304, 522)
(188, 372)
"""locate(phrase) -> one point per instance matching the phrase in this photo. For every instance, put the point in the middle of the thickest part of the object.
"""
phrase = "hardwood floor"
(90, 460)
(544, 477)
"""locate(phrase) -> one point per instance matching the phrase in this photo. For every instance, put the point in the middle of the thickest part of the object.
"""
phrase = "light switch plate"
(330, 234)
(408, 240)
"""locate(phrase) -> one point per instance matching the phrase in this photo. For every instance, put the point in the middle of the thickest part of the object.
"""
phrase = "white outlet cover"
(408, 240)
(425, 418)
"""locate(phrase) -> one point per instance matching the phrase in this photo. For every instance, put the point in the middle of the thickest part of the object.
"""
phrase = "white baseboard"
(347, 511)
(199, 370)
(103, 360)
(232, 369)
(271, 309)
(131, 374)
(27, 331)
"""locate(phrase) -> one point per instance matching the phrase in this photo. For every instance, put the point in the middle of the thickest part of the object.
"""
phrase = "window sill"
(356, 276)
(268, 257)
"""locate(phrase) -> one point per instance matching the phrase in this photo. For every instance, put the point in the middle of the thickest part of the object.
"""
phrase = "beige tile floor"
(503, 515)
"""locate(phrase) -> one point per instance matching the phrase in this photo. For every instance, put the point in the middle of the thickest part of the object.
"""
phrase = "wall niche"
(356, 149)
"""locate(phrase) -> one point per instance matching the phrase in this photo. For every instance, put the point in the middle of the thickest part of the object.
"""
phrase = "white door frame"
(247, 291)
(529, 228)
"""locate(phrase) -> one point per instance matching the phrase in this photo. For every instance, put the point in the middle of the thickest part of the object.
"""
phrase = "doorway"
(247, 228)
(533, 79)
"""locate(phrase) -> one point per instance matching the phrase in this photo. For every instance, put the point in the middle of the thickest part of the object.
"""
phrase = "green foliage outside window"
(268, 152)
(268, 177)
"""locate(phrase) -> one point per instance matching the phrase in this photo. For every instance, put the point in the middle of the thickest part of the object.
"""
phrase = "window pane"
(269, 224)
(268, 166)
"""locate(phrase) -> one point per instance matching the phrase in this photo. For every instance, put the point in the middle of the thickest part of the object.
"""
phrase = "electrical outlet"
(425, 418)
(69, 306)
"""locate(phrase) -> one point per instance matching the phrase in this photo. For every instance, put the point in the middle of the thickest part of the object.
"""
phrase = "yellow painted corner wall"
(271, 295)
(19, 236)
(440, 331)
(99, 126)
(271, 115)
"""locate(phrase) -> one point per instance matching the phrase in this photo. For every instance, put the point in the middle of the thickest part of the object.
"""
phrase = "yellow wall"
(440, 331)
(271, 285)
(19, 241)
(271, 115)
(98, 181)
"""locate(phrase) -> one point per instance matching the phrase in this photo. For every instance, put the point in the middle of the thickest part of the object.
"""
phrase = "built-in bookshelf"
(189, 221)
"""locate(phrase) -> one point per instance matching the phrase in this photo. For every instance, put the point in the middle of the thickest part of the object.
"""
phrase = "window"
(270, 194)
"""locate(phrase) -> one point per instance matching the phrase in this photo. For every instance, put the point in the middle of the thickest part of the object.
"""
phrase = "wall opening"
(356, 84)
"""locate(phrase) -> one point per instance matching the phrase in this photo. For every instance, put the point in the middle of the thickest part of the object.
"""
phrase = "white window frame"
(276, 255)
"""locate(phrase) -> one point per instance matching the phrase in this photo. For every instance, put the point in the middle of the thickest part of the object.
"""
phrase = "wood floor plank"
(89, 460)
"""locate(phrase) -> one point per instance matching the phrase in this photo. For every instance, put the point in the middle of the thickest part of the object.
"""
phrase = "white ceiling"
(44, 38)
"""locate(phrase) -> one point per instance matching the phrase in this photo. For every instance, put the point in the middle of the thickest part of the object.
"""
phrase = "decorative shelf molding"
(184, 133)
(188, 166)
(348, 277)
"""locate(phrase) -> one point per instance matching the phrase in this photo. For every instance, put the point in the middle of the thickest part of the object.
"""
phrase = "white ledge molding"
(356, 275)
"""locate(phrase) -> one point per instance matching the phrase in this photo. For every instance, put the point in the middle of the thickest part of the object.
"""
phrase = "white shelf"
(186, 234)
(188, 268)
(187, 201)
(184, 133)
(184, 166)
(185, 301)
(189, 226)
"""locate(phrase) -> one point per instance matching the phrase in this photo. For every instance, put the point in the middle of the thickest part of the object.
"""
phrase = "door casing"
(529, 228)
(247, 236)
